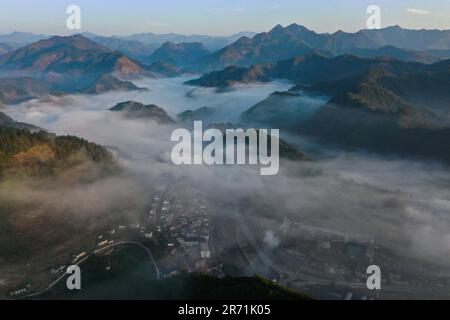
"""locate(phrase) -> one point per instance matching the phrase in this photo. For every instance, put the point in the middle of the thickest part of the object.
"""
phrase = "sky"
(216, 17)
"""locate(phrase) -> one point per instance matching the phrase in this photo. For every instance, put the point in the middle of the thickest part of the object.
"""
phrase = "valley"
(362, 177)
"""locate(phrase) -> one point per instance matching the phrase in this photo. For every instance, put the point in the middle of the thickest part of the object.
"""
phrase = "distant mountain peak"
(77, 42)
(178, 54)
(137, 110)
(69, 56)
(278, 27)
(243, 40)
(297, 27)
(339, 32)
(282, 43)
(21, 33)
(395, 27)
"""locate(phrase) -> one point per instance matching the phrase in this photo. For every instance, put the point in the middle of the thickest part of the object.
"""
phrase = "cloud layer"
(404, 205)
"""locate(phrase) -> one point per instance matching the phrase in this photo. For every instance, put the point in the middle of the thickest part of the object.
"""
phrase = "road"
(101, 250)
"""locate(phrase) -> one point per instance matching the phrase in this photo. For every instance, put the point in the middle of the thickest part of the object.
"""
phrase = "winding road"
(98, 251)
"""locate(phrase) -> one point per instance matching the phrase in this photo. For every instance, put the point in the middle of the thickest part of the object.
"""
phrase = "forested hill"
(44, 153)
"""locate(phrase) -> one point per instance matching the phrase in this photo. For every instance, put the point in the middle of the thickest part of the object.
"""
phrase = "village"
(175, 232)
(180, 223)
(179, 235)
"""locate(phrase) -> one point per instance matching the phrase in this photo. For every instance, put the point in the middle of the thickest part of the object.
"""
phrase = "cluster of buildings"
(20, 292)
(182, 227)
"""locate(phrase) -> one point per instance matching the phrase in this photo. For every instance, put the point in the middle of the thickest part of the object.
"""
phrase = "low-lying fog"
(403, 204)
(169, 94)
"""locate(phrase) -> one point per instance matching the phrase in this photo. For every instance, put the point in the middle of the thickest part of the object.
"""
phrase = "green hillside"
(44, 153)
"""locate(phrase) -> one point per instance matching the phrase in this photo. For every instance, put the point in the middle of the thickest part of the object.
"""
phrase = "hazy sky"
(216, 17)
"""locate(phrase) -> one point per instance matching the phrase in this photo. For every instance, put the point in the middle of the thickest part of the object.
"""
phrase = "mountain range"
(381, 105)
(282, 43)
(205, 53)
(18, 39)
(141, 46)
(72, 55)
(309, 68)
(179, 54)
(58, 65)
(375, 96)
(336, 65)
(212, 43)
(131, 48)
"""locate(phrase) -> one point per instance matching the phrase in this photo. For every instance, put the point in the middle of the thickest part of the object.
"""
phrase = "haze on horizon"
(217, 17)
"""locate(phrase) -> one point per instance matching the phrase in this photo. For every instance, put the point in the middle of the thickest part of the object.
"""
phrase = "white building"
(204, 250)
